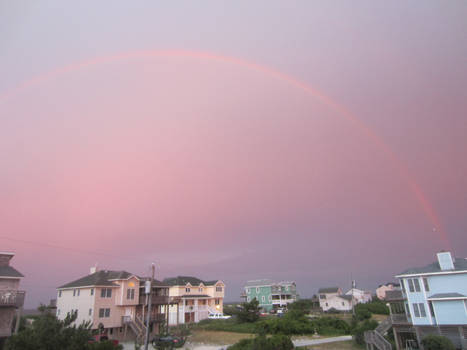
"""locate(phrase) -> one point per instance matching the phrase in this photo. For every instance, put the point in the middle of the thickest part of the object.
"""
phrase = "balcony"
(155, 299)
(400, 319)
(12, 298)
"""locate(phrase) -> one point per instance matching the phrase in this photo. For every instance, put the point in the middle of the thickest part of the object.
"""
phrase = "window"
(79, 291)
(248, 299)
(421, 306)
(76, 312)
(257, 290)
(411, 287)
(90, 312)
(322, 296)
(200, 289)
(58, 312)
(217, 301)
(342, 303)
(92, 291)
(270, 298)
(187, 290)
(59, 293)
(432, 311)
(104, 313)
(425, 284)
(327, 304)
(130, 293)
(417, 284)
(263, 298)
(74, 292)
(416, 311)
(218, 289)
(248, 290)
(106, 292)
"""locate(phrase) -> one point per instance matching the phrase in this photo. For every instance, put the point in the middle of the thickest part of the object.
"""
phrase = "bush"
(295, 324)
(249, 312)
(437, 342)
(276, 342)
(359, 330)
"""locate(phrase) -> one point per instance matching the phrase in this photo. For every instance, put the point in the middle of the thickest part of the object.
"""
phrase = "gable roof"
(8, 271)
(329, 290)
(184, 280)
(99, 278)
(459, 265)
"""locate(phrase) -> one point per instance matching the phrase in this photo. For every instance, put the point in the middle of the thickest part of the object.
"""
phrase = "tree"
(49, 333)
(437, 342)
(249, 312)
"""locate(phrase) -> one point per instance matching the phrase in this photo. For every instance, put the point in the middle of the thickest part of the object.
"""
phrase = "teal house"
(270, 295)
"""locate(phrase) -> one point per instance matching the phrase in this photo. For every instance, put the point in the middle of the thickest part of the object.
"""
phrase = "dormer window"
(187, 289)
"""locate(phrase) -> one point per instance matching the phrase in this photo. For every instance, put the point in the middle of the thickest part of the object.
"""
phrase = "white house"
(333, 298)
(360, 296)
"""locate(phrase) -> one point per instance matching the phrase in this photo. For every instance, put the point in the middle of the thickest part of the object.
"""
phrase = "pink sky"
(223, 171)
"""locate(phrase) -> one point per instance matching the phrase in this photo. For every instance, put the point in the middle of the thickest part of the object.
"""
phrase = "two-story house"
(433, 300)
(193, 299)
(113, 302)
(332, 298)
(11, 298)
(270, 295)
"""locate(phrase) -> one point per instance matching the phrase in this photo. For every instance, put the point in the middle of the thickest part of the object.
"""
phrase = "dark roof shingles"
(99, 278)
(184, 280)
(9, 271)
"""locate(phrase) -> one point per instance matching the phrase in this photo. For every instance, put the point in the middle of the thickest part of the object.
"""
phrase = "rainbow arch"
(341, 111)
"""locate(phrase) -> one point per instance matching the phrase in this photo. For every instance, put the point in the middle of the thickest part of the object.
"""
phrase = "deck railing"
(12, 298)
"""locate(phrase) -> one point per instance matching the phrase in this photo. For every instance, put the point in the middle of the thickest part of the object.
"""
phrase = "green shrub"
(229, 325)
(359, 330)
(276, 342)
(437, 342)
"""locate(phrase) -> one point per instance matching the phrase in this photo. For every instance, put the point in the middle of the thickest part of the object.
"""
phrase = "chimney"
(5, 258)
(93, 269)
(445, 260)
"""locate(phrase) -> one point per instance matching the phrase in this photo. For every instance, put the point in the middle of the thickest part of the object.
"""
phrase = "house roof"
(184, 280)
(195, 296)
(260, 282)
(9, 271)
(447, 296)
(346, 297)
(99, 278)
(459, 265)
(328, 290)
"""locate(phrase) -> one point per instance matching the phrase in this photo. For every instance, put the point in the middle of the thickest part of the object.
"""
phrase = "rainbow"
(339, 109)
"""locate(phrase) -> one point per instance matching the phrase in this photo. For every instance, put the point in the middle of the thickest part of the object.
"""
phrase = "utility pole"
(148, 290)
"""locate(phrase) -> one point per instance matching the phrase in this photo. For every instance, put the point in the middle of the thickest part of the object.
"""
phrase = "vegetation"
(295, 322)
(261, 342)
(437, 342)
(304, 305)
(229, 325)
(49, 333)
(358, 330)
(249, 311)
(376, 306)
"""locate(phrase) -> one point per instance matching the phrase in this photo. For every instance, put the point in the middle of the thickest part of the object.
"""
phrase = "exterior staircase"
(375, 339)
(137, 326)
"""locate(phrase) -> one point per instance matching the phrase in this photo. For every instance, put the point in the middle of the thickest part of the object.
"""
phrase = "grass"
(217, 337)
